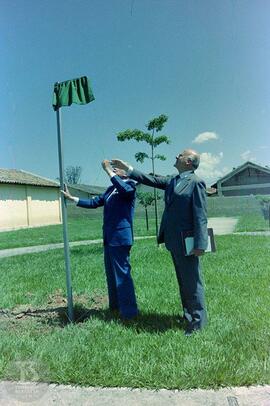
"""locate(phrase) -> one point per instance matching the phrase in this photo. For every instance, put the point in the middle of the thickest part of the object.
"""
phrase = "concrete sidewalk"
(221, 226)
(41, 394)
(266, 233)
(11, 252)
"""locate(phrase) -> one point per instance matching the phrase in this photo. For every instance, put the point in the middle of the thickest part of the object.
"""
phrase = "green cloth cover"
(72, 91)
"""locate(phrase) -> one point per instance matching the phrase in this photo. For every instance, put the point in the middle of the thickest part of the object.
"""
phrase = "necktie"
(177, 180)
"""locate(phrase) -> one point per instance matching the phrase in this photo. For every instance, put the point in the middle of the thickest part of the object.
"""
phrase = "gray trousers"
(191, 288)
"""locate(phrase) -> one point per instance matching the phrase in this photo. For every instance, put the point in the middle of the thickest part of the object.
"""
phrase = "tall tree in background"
(155, 125)
(72, 174)
(146, 199)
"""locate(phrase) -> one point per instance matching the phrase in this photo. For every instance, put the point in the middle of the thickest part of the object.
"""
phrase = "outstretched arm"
(159, 182)
(88, 204)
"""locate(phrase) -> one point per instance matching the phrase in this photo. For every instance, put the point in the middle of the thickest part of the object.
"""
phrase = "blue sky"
(205, 64)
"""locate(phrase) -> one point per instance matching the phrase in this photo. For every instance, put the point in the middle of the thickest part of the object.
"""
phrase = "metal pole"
(64, 219)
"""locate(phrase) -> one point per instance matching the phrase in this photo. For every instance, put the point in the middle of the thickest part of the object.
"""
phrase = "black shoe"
(129, 320)
(114, 313)
(191, 330)
(114, 309)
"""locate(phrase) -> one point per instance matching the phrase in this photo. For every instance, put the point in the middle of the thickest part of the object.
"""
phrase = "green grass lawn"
(86, 224)
(83, 224)
(153, 351)
(246, 208)
(252, 222)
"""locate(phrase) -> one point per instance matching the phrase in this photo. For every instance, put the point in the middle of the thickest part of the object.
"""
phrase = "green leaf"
(128, 135)
(160, 140)
(140, 156)
(157, 123)
(136, 135)
(161, 157)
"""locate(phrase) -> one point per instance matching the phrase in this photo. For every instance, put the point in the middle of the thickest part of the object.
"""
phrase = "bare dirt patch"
(54, 312)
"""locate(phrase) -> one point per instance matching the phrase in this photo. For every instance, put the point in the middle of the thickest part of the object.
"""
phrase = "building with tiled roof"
(246, 179)
(30, 200)
(20, 177)
(27, 200)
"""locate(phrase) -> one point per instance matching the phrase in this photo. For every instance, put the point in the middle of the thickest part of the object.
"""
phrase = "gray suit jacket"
(185, 208)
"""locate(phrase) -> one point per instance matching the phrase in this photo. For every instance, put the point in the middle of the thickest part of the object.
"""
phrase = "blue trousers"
(120, 284)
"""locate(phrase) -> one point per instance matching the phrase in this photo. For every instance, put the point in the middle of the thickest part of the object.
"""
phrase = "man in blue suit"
(118, 201)
(185, 210)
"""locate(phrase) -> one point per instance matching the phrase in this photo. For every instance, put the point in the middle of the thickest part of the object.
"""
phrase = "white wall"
(28, 206)
(44, 207)
(13, 206)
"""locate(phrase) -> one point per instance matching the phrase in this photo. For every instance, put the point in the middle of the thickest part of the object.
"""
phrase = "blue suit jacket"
(118, 213)
(185, 208)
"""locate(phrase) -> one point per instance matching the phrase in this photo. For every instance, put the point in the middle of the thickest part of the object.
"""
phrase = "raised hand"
(66, 193)
(106, 164)
(119, 164)
(120, 172)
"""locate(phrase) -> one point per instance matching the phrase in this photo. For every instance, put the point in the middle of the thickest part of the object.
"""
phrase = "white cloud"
(209, 168)
(206, 136)
(248, 156)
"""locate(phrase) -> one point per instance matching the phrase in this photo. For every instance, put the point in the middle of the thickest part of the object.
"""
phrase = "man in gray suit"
(185, 210)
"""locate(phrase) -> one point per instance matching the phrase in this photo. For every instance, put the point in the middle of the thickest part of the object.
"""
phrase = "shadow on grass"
(58, 317)
(145, 321)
